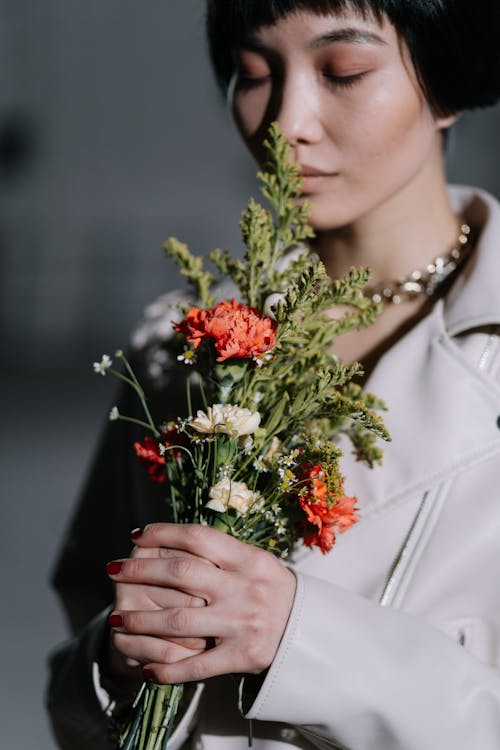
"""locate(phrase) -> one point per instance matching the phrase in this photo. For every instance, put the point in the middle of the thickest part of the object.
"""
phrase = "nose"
(298, 110)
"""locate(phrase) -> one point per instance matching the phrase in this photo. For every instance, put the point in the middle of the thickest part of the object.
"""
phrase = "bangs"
(243, 17)
(231, 22)
(453, 44)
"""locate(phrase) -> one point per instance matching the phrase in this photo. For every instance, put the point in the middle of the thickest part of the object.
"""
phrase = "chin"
(323, 218)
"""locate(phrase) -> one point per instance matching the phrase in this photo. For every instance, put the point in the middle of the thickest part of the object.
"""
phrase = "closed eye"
(249, 82)
(344, 81)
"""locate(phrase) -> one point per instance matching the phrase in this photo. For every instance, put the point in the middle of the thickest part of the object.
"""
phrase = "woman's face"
(345, 93)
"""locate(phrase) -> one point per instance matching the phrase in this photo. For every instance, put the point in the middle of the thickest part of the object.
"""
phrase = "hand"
(248, 594)
(130, 650)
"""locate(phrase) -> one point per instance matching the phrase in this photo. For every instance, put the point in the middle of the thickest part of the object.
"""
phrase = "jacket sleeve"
(118, 497)
(83, 713)
(374, 678)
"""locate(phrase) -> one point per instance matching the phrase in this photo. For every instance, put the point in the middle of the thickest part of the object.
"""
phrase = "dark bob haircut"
(454, 44)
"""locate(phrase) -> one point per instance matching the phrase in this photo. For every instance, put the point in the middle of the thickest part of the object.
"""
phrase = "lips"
(309, 171)
(314, 179)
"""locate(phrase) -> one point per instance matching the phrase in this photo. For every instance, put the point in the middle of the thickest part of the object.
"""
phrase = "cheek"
(249, 114)
(394, 128)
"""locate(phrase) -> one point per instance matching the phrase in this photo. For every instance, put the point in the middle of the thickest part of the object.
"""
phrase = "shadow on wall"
(18, 147)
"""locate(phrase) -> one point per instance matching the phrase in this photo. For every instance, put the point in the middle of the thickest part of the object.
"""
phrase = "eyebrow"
(351, 35)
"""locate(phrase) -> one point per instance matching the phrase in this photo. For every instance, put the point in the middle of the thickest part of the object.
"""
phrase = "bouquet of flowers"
(259, 459)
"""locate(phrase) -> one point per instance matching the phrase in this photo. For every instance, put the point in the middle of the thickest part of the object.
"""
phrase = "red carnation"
(330, 512)
(237, 330)
(148, 453)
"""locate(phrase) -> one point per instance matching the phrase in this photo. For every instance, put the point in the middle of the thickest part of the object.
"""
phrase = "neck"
(402, 234)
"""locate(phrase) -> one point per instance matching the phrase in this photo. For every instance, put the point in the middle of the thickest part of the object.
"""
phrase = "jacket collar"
(474, 299)
(443, 409)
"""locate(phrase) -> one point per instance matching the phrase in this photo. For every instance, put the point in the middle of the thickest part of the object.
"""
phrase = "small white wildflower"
(226, 470)
(114, 414)
(280, 528)
(286, 473)
(262, 359)
(182, 424)
(260, 465)
(287, 461)
(188, 356)
(105, 363)
(287, 478)
(247, 445)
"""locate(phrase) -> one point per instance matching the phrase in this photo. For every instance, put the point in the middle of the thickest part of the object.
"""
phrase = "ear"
(446, 121)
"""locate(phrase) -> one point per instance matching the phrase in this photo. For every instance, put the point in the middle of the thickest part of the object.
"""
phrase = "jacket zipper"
(397, 568)
(421, 521)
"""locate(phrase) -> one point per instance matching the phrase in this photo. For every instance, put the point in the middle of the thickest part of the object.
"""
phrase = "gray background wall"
(112, 137)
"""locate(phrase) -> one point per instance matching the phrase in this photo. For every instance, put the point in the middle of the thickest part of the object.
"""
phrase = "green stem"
(172, 492)
(128, 740)
(175, 697)
(147, 731)
(139, 422)
(188, 397)
(137, 387)
(162, 696)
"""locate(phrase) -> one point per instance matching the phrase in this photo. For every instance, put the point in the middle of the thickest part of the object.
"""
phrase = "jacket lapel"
(444, 411)
(443, 414)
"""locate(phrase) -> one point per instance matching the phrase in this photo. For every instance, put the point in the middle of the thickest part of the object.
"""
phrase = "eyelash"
(249, 82)
(344, 81)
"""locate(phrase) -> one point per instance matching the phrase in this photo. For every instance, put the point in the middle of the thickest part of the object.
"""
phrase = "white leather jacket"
(394, 638)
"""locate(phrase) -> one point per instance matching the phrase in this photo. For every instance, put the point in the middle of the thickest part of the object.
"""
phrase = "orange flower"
(237, 330)
(330, 512)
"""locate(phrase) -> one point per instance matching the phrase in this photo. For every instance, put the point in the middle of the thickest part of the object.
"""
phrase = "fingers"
(177, 623)
(205, 542)
(141, 649)
(217, 661)
(248, 595)
(186, 574)
(153, 597)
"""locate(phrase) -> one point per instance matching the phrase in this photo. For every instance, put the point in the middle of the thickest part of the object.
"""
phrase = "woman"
(392, 641)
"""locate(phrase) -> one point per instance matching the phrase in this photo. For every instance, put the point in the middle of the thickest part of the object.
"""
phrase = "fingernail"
(114, 567)
(115, 621)
(136, 533)
(148, 673)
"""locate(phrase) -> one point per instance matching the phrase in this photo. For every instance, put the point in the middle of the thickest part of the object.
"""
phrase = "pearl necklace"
(426, 281)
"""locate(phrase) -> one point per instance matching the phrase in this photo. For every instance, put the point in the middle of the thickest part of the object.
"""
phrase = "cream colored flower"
(228, 419)
(229, 494)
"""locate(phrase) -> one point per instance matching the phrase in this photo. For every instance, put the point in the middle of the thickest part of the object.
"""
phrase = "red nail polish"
(115, 621)
(114, 567)
(135, 534)
(148, 673)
